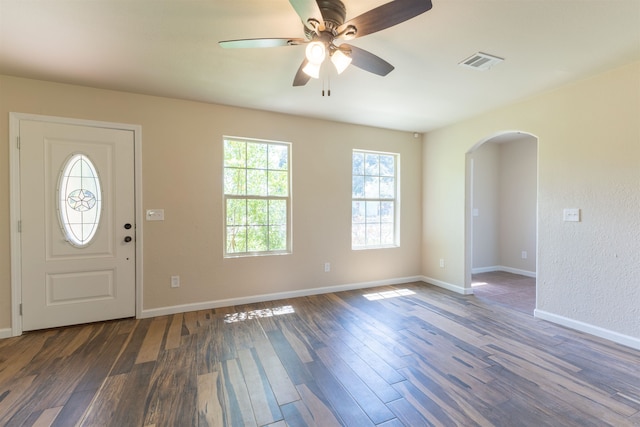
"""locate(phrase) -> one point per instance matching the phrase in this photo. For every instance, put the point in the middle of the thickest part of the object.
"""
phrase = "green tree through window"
(374, 201)
(257, 197)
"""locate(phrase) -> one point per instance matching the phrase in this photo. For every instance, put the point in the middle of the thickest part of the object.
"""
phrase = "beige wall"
(588, 158)
(517, 201)
(182, 158)
(486, 200)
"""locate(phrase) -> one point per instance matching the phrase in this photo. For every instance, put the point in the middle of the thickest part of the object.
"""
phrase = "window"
(257, 197)
(374, 205)
(79, 200)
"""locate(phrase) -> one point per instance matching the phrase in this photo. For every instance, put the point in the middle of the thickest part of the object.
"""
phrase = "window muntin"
(257, 197)
(79, 200)
(374, 200)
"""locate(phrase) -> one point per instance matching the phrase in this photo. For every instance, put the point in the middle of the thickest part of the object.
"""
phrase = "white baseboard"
(207, 305)
(616, 337)
(6, 333)
(503, 268)
(447, 286)
(489, 269)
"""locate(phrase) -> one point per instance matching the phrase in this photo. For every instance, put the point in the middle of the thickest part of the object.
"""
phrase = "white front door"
(77, 204)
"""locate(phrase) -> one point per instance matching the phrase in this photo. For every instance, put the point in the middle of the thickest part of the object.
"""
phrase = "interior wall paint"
(486, 199)
(443, 221)
(518, 203)
(182, 174)
(588, 158)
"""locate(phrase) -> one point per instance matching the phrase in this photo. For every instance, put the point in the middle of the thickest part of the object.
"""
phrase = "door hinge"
(19, 226)
(18, 142)
(20, 309)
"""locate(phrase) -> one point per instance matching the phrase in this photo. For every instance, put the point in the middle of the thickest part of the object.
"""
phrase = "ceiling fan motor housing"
(333, 13)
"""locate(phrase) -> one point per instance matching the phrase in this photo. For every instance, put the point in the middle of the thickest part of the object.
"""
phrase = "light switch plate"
(571, 215)
(155, 214)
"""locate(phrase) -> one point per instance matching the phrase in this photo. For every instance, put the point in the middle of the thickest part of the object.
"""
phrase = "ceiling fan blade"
(247, 43)
(386, 16)
(368, 61)
(301, 77)
(307, 9)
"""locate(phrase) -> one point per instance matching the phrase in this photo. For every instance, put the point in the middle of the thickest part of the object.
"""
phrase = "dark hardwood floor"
(412, 355)
(511, 290)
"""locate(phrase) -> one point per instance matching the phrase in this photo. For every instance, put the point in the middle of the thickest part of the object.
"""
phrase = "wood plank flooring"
(511, 290)
(405, 355)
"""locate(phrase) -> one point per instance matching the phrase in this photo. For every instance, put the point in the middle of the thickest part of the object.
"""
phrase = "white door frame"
(14, 204)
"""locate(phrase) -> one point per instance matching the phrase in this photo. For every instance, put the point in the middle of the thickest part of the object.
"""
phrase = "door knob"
(127, 239)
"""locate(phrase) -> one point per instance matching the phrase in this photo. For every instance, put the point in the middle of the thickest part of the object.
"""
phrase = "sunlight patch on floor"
(475, 284)
(388, 294)
(256, 314)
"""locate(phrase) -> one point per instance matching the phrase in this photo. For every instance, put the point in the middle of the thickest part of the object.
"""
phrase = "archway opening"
(501, 219)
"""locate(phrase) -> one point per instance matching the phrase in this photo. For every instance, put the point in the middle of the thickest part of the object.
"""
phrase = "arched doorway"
(501, 219)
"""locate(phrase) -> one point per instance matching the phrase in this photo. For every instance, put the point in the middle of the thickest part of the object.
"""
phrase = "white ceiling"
(169, 48)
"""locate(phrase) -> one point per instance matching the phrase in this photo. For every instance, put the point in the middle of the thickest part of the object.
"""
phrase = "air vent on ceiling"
(481, 61)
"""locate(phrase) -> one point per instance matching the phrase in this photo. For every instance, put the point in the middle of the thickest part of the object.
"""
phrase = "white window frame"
(287, 199)
(395, 200)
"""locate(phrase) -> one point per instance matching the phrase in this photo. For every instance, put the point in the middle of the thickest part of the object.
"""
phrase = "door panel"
(65, 282)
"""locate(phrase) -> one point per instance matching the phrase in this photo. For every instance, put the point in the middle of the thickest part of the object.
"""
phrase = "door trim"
(14, 204)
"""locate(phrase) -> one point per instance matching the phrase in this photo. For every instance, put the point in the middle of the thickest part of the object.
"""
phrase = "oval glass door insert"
(79, 200)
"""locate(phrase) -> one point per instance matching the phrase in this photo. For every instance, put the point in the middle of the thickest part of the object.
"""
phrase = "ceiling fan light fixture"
(340, 60)
(312, 70)
(316, 52)
(324, 24)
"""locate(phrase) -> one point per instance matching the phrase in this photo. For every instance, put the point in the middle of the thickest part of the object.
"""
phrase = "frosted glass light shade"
(315, 52)
(312, 70)
(340, 61)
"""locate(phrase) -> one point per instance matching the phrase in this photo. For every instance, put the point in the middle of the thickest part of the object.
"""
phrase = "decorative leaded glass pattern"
(79, 200)
(374, 199)
(257, 197)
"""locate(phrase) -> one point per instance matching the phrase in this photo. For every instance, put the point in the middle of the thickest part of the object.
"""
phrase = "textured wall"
(588, 158)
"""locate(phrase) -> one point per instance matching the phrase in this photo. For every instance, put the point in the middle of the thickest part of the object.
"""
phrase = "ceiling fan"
(325, 26)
